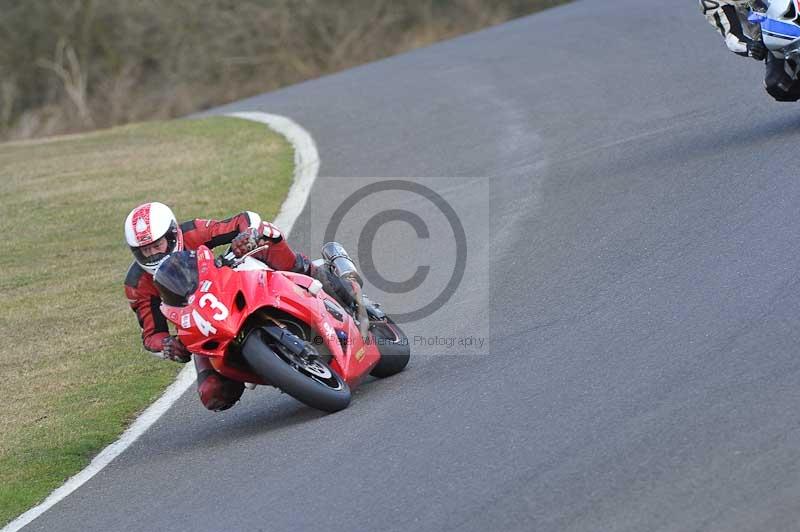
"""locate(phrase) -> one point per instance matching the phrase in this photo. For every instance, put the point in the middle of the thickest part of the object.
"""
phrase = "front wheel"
(310, 381)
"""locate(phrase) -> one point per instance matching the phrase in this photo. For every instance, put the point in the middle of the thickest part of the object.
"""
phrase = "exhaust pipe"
(345, 269)
(341, 263)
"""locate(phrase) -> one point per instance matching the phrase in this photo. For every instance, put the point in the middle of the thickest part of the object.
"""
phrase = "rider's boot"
(373, 309)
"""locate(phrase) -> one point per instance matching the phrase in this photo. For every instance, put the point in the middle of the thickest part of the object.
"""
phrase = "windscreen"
(177, 278)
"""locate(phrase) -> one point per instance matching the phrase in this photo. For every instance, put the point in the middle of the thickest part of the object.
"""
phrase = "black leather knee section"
(778, 83)
(781, 95)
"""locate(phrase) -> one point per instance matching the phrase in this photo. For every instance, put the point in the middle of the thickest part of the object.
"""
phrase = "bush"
(71, 65)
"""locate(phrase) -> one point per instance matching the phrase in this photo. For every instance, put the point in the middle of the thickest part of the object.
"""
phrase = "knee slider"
(216, 392)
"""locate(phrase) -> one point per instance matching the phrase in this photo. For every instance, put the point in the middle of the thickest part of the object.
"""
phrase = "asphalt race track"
(630, 198)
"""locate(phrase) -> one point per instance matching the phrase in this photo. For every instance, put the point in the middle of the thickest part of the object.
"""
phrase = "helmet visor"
(176, 279)
(151, 255)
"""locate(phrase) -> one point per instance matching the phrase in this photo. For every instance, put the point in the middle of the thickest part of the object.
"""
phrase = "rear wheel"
(393, 346)
(308, 379)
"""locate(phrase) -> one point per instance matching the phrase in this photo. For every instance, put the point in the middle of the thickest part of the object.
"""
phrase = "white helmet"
(145, 225)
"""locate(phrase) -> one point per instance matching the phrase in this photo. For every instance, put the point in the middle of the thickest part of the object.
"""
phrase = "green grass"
(73, 373)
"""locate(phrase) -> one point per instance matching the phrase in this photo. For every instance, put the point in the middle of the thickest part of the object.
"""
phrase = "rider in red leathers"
(152, 233)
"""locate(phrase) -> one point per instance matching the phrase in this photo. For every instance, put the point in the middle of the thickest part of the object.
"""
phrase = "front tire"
(313, 382)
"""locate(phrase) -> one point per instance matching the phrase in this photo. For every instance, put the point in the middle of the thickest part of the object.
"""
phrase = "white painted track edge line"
(306, 166)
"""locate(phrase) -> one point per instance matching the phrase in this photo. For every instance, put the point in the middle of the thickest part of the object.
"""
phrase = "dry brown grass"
(73, 65)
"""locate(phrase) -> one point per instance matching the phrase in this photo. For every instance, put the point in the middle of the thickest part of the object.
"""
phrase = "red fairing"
(226, 298)
(143, 296)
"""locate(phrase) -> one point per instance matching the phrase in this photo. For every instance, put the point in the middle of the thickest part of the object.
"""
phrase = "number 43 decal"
(203, 325)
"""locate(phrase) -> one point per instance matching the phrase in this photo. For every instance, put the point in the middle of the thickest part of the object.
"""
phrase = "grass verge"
(73, 372)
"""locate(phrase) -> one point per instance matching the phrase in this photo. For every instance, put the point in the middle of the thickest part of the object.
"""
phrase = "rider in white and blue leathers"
(744, 39)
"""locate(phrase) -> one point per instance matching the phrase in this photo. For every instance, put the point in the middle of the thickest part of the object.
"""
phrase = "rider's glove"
(757, 50)
(173, 349)
(251, 238)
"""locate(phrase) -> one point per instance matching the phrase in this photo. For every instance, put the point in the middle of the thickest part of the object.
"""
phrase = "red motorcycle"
(261, 326)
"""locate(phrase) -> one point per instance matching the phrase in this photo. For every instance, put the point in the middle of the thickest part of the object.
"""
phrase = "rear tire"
(393, 346)
(320, 388)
